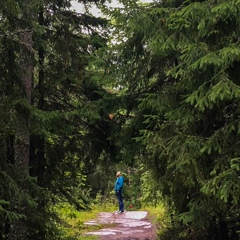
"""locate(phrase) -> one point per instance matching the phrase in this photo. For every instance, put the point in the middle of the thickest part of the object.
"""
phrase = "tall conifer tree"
(178, 66)
(48, 107)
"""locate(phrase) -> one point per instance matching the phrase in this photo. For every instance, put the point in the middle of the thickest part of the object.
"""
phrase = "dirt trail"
(133, 225)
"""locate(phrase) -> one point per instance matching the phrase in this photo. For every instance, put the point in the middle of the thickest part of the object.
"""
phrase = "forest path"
(133, 225)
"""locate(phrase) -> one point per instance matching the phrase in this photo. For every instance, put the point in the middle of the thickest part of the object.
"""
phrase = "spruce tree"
(50, 101)
(178, 67)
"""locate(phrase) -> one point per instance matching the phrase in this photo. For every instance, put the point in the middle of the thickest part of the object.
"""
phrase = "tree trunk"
(19, 230)
(37, 143)
(22, 140)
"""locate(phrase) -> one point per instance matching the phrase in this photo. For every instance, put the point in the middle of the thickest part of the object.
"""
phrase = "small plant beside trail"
(71, 222)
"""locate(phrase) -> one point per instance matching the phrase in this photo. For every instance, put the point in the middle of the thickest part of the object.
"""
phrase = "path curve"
(133, 225)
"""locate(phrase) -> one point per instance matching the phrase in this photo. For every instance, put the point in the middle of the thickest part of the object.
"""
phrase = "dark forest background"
(152, 89)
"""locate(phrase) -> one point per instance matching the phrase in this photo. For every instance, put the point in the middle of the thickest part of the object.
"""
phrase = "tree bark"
(22, 141)
(19, 230)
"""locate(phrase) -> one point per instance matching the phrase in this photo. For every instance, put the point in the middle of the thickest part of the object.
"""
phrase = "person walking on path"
(118, 188)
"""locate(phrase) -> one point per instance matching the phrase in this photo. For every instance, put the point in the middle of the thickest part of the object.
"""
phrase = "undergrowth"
(157, 215)
(71, 222)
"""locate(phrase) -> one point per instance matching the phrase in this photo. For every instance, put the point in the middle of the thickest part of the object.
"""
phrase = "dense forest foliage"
(152, 88)
(178, 63)
(54, 128)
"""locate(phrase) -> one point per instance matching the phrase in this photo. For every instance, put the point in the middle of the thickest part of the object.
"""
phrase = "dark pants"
(120, 200)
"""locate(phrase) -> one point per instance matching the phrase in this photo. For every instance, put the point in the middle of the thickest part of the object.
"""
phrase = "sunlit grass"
(88, 238)
(71, 225)
(156, 214)
(157, 211)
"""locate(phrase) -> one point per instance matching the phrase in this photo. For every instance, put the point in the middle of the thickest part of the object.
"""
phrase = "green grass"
(156, 214)
(71, 225)
(157, 211)
(88, 238)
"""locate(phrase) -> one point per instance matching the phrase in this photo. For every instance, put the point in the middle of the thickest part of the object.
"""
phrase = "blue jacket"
(119, 184)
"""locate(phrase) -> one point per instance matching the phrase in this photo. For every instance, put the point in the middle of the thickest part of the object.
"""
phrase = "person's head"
(118, 174)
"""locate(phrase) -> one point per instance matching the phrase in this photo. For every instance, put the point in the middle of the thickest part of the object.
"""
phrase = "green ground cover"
(157, 215)
(71, 222)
